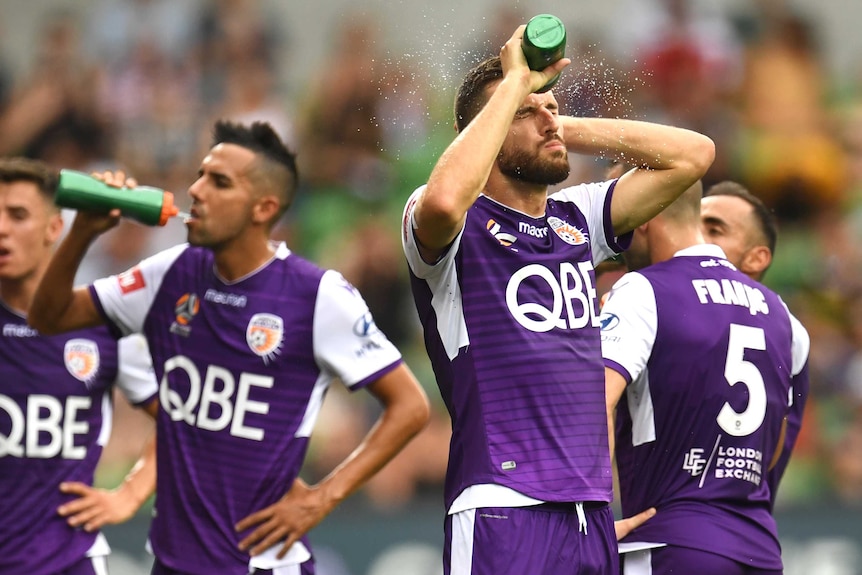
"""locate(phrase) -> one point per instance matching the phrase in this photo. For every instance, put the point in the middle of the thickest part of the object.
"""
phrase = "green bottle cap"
(544, 43)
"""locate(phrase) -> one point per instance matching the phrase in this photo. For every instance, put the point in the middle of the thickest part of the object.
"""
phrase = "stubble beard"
(526, 167)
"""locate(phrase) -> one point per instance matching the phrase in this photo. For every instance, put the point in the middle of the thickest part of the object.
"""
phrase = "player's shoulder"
(184, 254)
(292, 263)
(634, 283)
(581, 192)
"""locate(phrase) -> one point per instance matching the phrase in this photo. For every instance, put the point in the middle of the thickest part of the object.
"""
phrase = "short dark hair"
(261, 138)
(20, 169)
(471, 97)
(766, 221)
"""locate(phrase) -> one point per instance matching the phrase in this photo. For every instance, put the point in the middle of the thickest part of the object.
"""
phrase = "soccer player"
(699, 365)
(503, 280)
(56, 401)
(246, 338)
(738, 221)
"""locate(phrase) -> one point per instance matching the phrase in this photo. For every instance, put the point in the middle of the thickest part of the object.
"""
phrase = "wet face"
(534, 150)
(728, 222)
(29, 226)
(222, 197)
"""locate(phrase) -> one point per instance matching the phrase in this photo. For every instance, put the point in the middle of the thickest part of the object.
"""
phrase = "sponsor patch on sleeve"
(131, 280)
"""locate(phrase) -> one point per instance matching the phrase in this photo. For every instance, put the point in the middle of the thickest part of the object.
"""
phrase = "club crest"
(567, 232)
(264, 335)
(82, 359)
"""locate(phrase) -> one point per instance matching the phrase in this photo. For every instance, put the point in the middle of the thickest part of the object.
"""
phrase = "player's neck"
(531, 199)
(670, 239)
(236, 260)
(17, 295)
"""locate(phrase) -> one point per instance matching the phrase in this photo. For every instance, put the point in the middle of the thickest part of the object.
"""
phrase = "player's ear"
(756, 260)
(265, 209)
(55, 227)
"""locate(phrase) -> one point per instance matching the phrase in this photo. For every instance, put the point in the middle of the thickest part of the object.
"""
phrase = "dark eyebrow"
(215, 175)
(714, 220)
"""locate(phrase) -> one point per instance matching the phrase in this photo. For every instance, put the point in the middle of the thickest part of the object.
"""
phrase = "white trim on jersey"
(296, 554)
(591, 196)
(801, 344)
(107, 418)
(312, 410)
(347, 343)
(490, 495)
(461, 548)
(100, 565)
(442, 278)
(135, 375)
(632, 319)
(287, 570)
(129, 310)
(99, 548)
(629, 342)
(639, 401)
(637, 562)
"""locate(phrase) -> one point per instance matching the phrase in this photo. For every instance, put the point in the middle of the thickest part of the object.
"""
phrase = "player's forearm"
(140, 483)
(641, 144)
(396, 427)
(462, 171)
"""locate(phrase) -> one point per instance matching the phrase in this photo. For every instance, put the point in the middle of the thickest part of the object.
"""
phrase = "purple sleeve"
(618, 244)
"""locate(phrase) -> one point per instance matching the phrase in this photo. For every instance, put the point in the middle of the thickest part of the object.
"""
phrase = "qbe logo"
(568, 298)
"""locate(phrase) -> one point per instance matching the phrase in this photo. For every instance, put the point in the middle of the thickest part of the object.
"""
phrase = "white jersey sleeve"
(347, 342)
(801, 344)
(135, 375)
(593, 200)
(629, 323)
(442, 277)
(126, 298)
(420, 269)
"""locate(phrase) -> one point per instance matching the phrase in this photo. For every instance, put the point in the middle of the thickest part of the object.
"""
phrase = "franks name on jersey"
(730, 292)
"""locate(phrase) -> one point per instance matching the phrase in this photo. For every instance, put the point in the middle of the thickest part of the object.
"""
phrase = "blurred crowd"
(136, 84)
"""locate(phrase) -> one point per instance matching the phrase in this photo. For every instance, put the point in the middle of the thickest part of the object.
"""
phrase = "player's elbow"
(417, 413)
(439, 210)
(701, 155)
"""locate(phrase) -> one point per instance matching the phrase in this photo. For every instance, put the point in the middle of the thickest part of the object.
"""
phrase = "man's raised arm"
(667, 162)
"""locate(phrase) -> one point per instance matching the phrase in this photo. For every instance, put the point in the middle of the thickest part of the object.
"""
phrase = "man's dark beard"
(529, 168)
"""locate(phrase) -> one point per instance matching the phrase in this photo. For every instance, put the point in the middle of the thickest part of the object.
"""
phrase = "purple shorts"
(306, 568)
(548, 539)
(88, 566)
(672, 560)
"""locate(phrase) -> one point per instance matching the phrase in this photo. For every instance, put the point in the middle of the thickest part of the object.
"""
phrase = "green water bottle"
(544, 43)
(79, 191)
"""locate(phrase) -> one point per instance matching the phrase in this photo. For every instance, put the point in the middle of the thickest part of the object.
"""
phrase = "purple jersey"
(55, 417)
(797, 411)
(511, 328)
(243, 367)
(709, 355)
